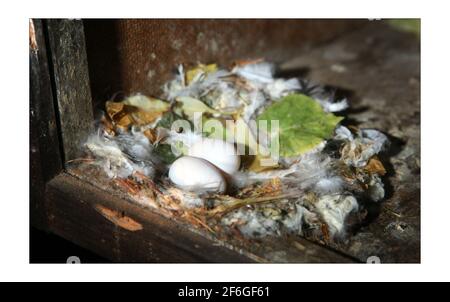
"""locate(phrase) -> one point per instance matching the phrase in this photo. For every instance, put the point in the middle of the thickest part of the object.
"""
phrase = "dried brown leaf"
(374, 166)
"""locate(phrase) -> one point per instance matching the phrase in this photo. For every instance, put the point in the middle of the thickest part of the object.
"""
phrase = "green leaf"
(409, 25)
(303, 123)
(167, 119)
(165, 153)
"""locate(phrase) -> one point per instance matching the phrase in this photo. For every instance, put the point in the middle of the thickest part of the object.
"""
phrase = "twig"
(148, 181)
(238, 203)
(192, 216)
(80, 159)
(393, 213)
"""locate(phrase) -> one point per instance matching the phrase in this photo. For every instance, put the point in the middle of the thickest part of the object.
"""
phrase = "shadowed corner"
(102, 49)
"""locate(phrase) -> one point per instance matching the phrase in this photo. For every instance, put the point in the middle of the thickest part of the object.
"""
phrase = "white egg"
(220, 153)
(196, 174)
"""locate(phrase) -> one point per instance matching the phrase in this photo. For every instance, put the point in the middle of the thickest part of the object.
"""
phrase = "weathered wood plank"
(89, 217)
(71, 80)
(45, 157)
(127, 232)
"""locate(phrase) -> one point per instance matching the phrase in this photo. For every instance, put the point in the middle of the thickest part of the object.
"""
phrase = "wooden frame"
(111, 226)
(62, 204)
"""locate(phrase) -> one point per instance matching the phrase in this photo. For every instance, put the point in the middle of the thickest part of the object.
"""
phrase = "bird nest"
(311, 177)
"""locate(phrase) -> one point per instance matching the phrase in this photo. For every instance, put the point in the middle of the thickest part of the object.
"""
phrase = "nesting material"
(316, 181)
(122, 155)
(334, 210)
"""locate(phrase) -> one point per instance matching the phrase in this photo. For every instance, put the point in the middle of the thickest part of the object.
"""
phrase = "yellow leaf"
(193, 73)
(253, 159)
(190, 106)
(136, 110)
(147, 104)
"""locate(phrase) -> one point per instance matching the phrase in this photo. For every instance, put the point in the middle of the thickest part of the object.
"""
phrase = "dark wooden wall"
(129, 56)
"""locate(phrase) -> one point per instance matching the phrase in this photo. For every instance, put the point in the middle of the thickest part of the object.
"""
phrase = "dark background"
(49, 248)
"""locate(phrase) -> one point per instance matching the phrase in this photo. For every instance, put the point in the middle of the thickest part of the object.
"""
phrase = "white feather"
(258, 72)
(334, 210)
